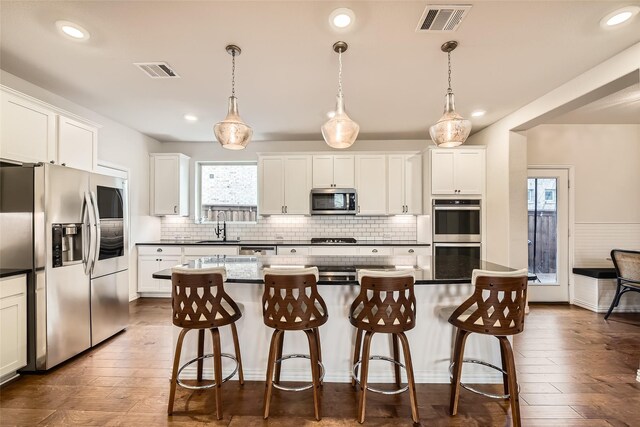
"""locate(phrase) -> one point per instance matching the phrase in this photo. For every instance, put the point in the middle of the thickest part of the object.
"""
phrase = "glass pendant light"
(233, 133)
(451, 130)
(340, 131)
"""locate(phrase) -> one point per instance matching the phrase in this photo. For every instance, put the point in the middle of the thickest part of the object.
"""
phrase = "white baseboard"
(154, 294)
(9, 377)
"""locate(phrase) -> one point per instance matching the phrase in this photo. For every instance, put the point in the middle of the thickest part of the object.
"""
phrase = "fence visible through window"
(543, 229)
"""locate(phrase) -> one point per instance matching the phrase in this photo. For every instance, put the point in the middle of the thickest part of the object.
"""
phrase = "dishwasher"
(257, 250)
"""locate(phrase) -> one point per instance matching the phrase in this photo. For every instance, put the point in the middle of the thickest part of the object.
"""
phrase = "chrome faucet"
(222, 230)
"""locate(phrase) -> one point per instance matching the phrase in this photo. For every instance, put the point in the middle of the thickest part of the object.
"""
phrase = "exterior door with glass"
(548, 234)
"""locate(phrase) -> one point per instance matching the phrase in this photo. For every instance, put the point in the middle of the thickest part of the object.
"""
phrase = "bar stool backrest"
(627, 264)
(496, 306)
(291, 300)
(386, 302)
(199, 300)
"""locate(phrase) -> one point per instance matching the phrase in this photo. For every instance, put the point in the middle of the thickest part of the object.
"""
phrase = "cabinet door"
(166, 187)
(322, 171)
(442, 171)
(297, 184)
(396, 180)
(147, 265)
(371, 184)
(164, 285)
(13, 324)
(413, 184)
(469, 171)
(271, 197)
(344, 171)
(27, 130)
(77, 144)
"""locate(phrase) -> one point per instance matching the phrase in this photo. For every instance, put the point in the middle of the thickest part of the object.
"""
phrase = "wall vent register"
(157, 70)
(442, 18)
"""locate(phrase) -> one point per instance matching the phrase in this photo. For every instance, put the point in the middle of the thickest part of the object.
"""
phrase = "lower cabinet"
(13, 324)
(152, 259)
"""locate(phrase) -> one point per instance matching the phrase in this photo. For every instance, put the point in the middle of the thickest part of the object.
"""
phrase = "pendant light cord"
(449, 65)
(340, 73)
(233, 73)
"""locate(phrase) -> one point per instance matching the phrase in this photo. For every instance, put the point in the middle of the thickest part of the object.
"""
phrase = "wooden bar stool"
(386, 304)
(627, 265)
(200, 302)
(496, 308)
(291, 302)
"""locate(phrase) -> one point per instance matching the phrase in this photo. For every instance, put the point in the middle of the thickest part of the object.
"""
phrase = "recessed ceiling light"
(478, 113)
(73, 31)
(341, 18)
(619, 16)
(190, 118)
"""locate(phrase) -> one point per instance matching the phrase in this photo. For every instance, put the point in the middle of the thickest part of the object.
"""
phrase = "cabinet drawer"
(412, 250)
(333, 250)
(210, 250)
(293, 250)
(159, 250)
(375, 250)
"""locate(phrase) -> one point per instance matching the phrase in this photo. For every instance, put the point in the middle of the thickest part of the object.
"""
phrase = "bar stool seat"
(497, 308)
(200, 302)
(386, 304)
(291, 302)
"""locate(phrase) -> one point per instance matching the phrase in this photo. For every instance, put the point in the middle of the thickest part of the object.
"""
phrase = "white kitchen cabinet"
(333, 250)
(169, 184)
(374, 250)
(404, 184)
(77, 144)
(152, 260)
(285, 185)
(27, 130)
(333, 171)
(371, 184)
(13, 324)
(457, 171)
(293, 250)
(192, 253)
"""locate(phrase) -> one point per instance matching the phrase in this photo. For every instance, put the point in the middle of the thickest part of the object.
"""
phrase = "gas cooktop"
(333, 240)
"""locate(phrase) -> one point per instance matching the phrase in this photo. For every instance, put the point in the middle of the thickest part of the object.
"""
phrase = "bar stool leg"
(410, 378)
(174, 372)
(217, 367)
(458, 355)
(268, 388)
(236, 345)
(315, 372)
(514, 399)
(505, 377)
(366, 349)
(278, 356)
(356, 353)
(316, 331)
(200, 353)
(396, 357)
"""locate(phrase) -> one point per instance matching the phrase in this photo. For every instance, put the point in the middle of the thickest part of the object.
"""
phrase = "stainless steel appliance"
(456, 220)
(333, 240)
(333, 201)
(257, 250)
(78, 252)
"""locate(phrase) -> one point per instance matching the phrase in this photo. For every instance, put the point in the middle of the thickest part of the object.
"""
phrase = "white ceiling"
(510, 53)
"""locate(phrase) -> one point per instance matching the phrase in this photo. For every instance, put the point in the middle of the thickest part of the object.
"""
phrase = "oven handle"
(456, 208)
(457, 245)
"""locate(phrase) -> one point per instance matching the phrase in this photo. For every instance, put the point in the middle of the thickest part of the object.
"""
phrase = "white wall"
(119, 145)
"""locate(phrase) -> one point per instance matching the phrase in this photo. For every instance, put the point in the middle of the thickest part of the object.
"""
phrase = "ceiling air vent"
(157, 70)
(443, 18)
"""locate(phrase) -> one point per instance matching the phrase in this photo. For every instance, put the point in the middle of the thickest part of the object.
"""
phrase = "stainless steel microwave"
(333, 201)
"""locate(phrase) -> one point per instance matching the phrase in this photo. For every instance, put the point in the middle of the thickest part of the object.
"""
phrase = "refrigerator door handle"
(89, 222)
(98, 234)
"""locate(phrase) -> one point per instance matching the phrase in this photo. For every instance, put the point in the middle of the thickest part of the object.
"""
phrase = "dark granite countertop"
(249, 270)
(7, 272)
(596, 272)
(279, 243)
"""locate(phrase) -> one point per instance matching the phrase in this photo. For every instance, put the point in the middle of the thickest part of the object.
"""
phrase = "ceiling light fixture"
(619, 16)
(233, 133)
(341, 18)
(451, 130)
(190, 118)
(340, 131)
(478, 113)
(73, 31)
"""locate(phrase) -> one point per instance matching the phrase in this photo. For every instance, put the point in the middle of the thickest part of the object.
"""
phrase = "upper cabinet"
(457, 171)
(169, 182)
(371, 184)
(32, 132)
(333, 171)
(284, 185)
(405, 184)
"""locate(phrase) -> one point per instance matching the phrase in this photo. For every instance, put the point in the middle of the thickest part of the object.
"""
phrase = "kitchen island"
(431, 340)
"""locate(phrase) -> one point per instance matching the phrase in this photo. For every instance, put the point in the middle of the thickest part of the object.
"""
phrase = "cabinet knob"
(293, 251)
(64, 164)
(175, 209)
(159, 250)
(52, 162)
(286, 209)
(375, 251)
(282, 209)
(411, 251)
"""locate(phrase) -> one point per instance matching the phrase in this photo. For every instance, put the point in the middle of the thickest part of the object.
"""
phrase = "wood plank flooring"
(574, 369)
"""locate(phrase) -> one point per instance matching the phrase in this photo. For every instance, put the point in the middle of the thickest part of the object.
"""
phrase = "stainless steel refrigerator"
(70, 228)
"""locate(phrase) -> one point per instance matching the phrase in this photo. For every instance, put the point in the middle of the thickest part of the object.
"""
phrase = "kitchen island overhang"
(431, 340)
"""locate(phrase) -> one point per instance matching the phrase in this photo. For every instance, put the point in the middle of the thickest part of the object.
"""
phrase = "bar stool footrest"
(304, 387)
(475, 390)
(377, 390)
(207, 386)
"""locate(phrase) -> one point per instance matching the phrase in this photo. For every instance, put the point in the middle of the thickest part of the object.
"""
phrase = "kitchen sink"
(220, 241)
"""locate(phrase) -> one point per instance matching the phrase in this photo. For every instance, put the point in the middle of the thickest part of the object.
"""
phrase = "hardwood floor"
(574, 369)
